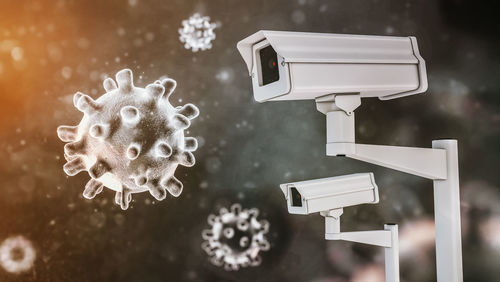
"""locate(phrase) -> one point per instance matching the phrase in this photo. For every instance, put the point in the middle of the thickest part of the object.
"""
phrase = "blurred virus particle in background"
(235, 238)
(130, 139)
(416, 238)
(490, 232)
(197, 33)
(342, 257)
(330, 279)
(225, 75)
(17, 254)
(369, 273)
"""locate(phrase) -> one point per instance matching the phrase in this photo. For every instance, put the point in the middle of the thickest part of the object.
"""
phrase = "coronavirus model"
(17, 254)
(235, 238)
(197, 33)
(130, 139)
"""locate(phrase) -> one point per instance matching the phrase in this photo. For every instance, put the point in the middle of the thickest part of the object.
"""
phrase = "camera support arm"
(439, 163)
(424, 162)
(340, 135)
(387, 238)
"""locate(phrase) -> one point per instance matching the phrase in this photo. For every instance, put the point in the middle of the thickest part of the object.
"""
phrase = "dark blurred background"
(51, 49)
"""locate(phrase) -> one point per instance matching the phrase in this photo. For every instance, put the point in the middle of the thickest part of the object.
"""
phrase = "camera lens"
(269, 65)
(296, 197)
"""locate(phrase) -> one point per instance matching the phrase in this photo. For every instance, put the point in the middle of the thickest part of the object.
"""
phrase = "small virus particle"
(298, 17)
(235, 238)
(225, 75)
(389, 29)
(197, 33)
(130, 139)
(66, 72)
(17, 254)
(17, 53)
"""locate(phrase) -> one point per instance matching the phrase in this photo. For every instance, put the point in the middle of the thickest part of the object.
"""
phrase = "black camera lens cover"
(269, 65)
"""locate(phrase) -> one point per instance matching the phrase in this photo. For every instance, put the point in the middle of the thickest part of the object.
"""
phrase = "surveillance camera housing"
(311, 196)
(298, 66)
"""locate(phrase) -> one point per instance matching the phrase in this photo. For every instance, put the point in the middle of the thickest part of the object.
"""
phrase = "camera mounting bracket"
(439, 163)
(346, 102)
(387, 238)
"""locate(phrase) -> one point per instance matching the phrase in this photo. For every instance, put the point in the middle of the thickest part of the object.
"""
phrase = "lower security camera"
(325, 194)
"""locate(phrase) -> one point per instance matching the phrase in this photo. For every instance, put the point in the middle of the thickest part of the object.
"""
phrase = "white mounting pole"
(392, 255)
(447, 217)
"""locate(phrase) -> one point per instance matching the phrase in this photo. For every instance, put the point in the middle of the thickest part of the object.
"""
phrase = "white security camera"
(326, 194)
(329, 196)
(299, 65)
(336, 70)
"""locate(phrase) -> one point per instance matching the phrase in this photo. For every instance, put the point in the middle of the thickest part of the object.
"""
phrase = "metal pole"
(447, 217)
(392, 255)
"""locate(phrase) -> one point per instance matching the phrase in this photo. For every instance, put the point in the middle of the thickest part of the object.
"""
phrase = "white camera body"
(311, 65)
(325, 194)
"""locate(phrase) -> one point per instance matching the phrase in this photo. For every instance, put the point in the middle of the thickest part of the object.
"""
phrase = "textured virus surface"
(235, 238)
(130, 139)
(17, 254)
(197, 33)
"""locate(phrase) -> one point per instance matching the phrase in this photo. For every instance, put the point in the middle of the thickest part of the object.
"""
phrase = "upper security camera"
(326, 194)
(298, 65)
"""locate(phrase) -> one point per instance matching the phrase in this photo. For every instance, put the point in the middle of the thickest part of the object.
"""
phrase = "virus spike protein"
(130, 139)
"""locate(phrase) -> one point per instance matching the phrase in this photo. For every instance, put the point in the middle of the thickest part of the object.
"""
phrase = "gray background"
(246, 149)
